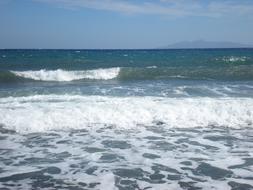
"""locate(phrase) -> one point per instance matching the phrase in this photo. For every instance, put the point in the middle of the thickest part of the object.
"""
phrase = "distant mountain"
(202, 44)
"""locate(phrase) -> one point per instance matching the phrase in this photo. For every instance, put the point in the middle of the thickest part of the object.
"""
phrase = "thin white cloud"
(163, 7)
(231, 7)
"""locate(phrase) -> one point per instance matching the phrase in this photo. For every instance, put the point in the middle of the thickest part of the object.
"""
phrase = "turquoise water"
(224, 64)
(126, 119)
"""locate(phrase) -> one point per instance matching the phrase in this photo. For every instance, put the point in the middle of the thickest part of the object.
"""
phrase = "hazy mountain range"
(205, 44)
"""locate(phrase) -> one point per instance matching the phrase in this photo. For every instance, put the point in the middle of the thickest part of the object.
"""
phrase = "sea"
(126, 119)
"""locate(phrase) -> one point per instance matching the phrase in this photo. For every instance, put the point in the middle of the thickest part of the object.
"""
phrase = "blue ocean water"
(126, 119)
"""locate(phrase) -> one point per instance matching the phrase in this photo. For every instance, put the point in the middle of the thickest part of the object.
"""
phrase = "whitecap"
(64, 75)
(152, 67)
(235, 59)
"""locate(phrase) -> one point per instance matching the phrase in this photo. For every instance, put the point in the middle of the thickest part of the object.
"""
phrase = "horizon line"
(250, 47)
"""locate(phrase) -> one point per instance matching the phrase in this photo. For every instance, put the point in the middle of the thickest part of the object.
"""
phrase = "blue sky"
(122, 23)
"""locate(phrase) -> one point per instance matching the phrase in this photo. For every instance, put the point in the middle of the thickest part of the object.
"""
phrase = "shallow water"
(148, 157)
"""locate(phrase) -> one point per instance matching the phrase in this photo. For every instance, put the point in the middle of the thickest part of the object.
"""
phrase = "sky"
(122, 24)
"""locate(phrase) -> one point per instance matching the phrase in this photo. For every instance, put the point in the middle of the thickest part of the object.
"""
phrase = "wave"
(42, 113)
(242, 72)
(63, 75)
(235, 59)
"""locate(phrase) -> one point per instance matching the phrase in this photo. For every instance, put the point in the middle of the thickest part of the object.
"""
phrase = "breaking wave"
(242, 72)
(54, 112)
(64, 75)
(235, 59)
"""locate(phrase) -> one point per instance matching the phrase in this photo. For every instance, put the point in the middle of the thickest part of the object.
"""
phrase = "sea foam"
(55, 112)
(235, 59)
(64, 75)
